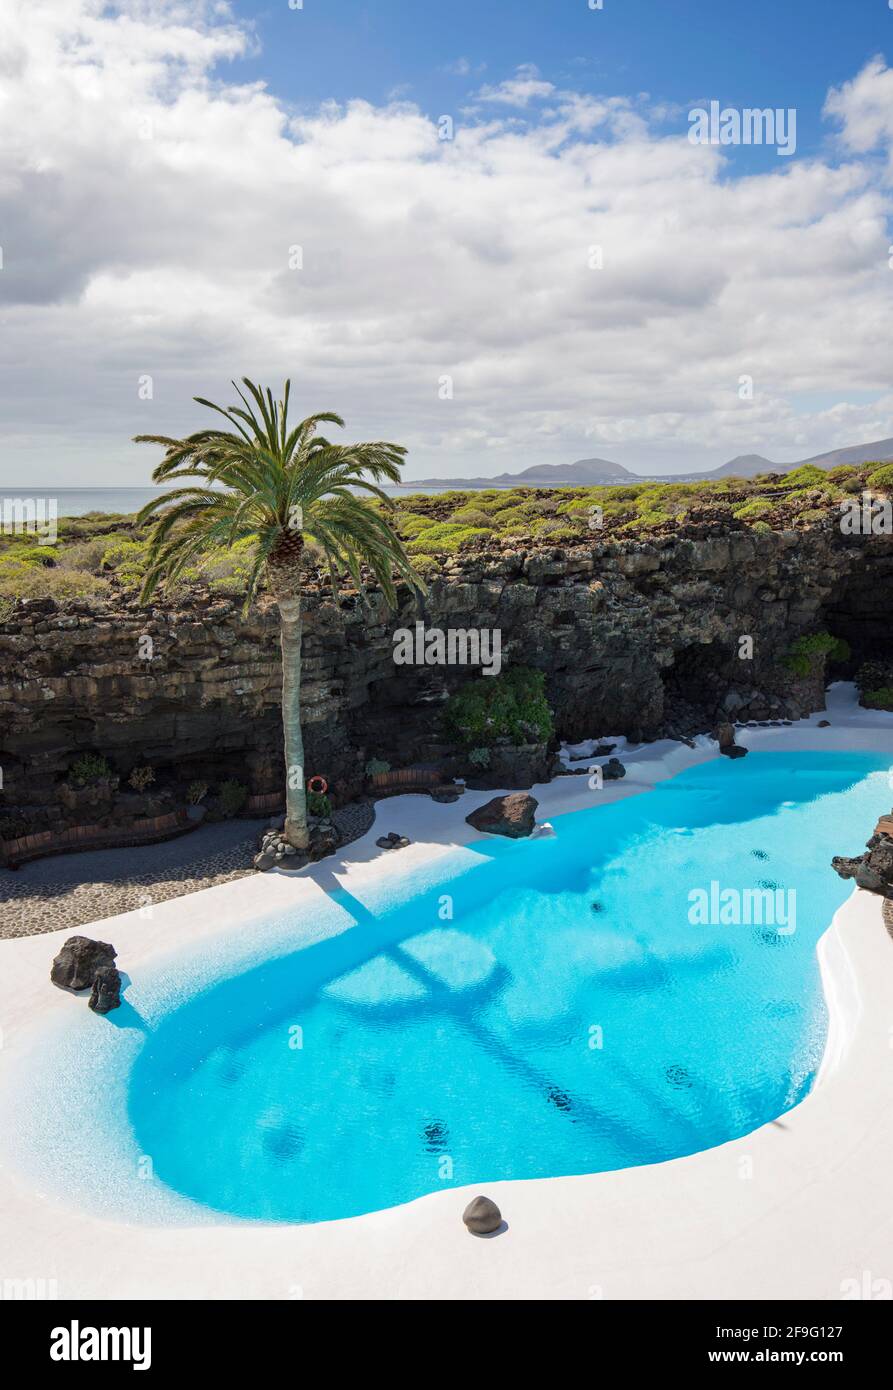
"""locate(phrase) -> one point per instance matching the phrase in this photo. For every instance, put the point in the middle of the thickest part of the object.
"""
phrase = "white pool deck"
(798, 1209)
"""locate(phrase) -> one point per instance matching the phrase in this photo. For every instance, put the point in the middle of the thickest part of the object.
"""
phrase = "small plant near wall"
(233, 796)
(141, 778)
(509, 708)
(376, 767)
(89, 769)
(318, 804)
(196, 792)
(479, 757)
(807, 654)
(878, 699)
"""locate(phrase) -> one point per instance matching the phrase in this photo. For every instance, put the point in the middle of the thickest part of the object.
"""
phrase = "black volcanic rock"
(106, 992)
(513, 815)
(76, 965)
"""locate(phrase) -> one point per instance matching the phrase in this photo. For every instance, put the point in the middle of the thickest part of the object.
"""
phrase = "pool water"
(552, 1010)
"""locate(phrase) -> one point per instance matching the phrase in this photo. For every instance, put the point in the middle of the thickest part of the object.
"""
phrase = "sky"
(481, 230)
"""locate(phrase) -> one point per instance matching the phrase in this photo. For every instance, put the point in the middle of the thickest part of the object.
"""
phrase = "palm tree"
(260, 479)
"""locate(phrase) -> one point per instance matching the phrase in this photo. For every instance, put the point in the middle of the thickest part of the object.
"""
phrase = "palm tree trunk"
(296, 832)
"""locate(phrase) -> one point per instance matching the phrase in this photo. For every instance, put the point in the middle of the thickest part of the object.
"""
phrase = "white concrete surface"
(798, 1209)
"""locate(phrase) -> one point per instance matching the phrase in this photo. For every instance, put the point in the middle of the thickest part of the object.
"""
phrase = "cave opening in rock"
(861, 610)
(695, 686)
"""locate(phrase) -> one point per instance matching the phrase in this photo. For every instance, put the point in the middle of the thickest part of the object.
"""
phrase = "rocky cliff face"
(635, 638)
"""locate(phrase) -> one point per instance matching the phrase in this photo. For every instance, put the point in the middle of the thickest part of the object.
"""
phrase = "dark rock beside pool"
(76, 965)
(513, 815)
(392, 841)
(725, 737)
(482, 1216)
(873, 870)
(106, 992)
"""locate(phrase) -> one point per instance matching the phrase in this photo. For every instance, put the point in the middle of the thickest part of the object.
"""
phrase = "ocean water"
(80, 500)
(125, 500)
(554, 1010)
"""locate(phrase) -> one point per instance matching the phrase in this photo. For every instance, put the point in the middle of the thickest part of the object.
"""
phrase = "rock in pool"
(106, 992)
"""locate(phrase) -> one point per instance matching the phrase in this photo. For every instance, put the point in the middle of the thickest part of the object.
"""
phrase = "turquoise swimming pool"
(641, 986)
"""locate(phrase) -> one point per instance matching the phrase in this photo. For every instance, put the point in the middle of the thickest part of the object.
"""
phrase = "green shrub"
(376, 767)
(472, 516)
(413, 526)
(807, 654)
(479, 757)
(141, 778)
(510, 706)
(318, 804)
(127, 559)
(83, 555)
(558, 534)
(233, 796)
(807, 476)
(227, 569)
(513, 518)
(36, 581)
(89, 768)
(882, 478)
(757, 507)
(31, 555)
(427, 565)
(445, 539)
(844, 473)
(878, 699)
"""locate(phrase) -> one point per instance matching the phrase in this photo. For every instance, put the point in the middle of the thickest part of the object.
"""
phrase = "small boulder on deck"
(513, 815)
(482, 1216)
(76, 965)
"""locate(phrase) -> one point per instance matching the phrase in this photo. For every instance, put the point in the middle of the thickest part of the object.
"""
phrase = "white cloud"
(526, 86)
(864, 107)
(150, 204)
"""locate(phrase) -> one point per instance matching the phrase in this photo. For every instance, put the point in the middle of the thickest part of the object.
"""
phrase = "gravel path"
(71, 890)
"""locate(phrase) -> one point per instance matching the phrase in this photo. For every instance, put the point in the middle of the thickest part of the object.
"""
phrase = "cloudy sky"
(192, 190)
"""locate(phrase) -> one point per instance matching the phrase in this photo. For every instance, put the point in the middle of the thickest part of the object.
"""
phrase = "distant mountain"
(744, 466)
(584, 472)
(881, 451)
(589, 472)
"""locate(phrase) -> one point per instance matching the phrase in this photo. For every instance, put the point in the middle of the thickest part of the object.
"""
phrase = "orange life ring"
(319, 785)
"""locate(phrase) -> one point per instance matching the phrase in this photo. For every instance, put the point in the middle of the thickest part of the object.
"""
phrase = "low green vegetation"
(318, 804)
(808, 654)
(98, 556)
(510, 706)
(233, 796)
(878, 699)
(881, 478)
(88, 769)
